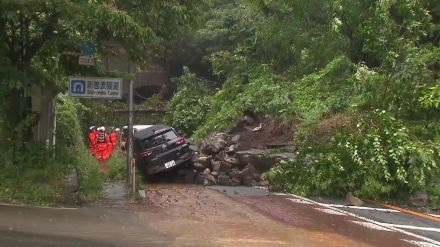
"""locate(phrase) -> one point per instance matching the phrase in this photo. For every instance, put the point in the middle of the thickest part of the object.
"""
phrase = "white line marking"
(371, 226)
(419, 243)
(279, 194)
(435, 215)
(329, 211)
(299, 201)
(436, 243)
(421, 228)
(364, 208)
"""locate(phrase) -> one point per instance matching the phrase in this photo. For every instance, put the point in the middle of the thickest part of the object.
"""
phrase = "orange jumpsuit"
(103, 146)
(114, 140)
(92, 142)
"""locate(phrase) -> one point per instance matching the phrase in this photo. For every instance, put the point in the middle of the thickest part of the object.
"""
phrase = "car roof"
(139, 127)
(147, 132)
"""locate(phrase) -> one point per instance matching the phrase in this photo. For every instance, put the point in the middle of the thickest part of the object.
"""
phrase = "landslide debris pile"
(231, 160)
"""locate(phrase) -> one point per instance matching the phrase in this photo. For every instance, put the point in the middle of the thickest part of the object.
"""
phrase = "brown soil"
(274, 133)
(328, 126)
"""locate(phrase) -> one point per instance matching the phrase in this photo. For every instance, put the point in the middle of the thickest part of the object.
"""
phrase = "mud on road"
(190, 215)
(234, 216)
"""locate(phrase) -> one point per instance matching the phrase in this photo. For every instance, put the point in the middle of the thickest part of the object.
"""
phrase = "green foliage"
(117, 165)
(310, 61)
(378, 160)
(188, 107)
(309, 98)
(39, 173)
(38, 179)
(73, 150)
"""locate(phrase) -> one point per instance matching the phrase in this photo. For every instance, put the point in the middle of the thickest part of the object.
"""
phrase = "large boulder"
(204, 160)
(216, 165)
(249, 119)
(221, 155)
(224, 180)
(419, 199)
(257, 157)
(232, 160)
(199, 166)
(225, 168)
(205, 179)
(282, 156)
(249, 175)
(194, 147)
(214, 144)
(235, 139)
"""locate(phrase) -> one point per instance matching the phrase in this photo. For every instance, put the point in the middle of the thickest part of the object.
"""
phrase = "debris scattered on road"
(353, 201)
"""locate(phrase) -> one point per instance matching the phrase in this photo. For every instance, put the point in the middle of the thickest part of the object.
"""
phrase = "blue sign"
(88, 49)
(95, 87)
(78, 86)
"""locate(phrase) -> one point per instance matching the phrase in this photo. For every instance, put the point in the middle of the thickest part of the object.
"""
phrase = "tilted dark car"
(159, 148)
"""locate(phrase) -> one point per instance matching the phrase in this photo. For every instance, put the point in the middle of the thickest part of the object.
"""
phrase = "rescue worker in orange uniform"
(114, 138)
(103, 149)
(92, 140)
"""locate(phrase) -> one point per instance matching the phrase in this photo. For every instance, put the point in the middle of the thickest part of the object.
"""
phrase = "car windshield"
(159, 139)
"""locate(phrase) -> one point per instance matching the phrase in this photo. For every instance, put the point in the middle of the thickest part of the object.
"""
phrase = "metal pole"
(54, 100)
(130, 133)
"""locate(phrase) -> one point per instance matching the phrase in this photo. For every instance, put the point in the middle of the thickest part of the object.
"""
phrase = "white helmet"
(102, 128)
(92, 127)
(117, 129)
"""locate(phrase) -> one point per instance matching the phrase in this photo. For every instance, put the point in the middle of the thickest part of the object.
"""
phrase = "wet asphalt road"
(187, 215)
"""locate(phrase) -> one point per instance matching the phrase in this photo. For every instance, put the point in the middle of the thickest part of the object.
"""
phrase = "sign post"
(95, 87)
(131, 168)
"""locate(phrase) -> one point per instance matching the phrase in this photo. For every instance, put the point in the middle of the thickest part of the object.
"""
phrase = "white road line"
(329, 211)
(371, 226)
(419, 243)
(364, 208)
(435, 215)
(299, 201)
(431, 241)
(421, 228)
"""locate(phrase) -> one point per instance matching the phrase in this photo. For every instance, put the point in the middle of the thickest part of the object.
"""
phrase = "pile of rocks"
(218, 161)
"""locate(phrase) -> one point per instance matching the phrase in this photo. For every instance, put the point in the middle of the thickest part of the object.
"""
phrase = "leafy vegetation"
(38, 175)
(360, 77)
(188, 106)
(33, 36)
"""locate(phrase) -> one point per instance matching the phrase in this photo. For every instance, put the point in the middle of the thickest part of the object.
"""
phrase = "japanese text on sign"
(90, 87)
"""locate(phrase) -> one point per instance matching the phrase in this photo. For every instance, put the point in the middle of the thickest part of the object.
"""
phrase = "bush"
(38, 175)
(38, 179)
(117, 166)
(188, 108)
(73, 151)
(381, 159)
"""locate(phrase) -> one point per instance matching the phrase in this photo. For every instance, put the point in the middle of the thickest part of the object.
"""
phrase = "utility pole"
(130, 167)
(54, 102)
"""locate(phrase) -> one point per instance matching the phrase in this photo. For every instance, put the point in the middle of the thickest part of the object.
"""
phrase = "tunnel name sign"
(95, 87)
